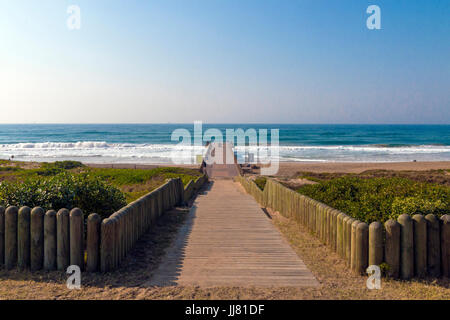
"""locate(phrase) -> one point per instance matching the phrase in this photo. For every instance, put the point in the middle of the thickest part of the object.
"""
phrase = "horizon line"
(222, 123)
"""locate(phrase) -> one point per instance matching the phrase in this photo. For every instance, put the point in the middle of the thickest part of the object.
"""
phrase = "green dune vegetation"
(261, 182)
(378, 195)
(69, 184)
(380, 198)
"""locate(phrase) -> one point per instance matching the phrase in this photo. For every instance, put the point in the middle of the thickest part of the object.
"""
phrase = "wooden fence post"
(180, 192)
(123, 233)
(76, 238)
(23, 238)
(348, 247)
(154, 208)
(433, 246)
(166, 191)
(11, 237)
(62, 239)
(93, 242)
(375, 243)
(2, 236)
(115, 228)
(362, 238)
(353, 245)
(50, 240)
(340, 240)
(345, 240)
(160, 201)
(148, 210)
(137, 213)
(330, 227)
(169, 194)
(186, 193)
(120, 234)
(131, 231)
(296, 206)
(313, 216)
(445, 245)
(37, 238)
(392, 247)
(324, 223)
(106, 245)
(420, 245)
(124, 218)
(334, 229)
(317, 207)
(406, 246)
(138, 210)
(343, 226)
(128, 229)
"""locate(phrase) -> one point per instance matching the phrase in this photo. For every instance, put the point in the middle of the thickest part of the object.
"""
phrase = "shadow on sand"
(169, 269)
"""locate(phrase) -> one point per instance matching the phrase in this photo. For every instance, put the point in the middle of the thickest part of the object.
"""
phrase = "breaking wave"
(104, 152)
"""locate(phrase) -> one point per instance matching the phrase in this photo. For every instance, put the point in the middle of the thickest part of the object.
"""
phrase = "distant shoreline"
(153, 144)
(290, 168)
(139, 166)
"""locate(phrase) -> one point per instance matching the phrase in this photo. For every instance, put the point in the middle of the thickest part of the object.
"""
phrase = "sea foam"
(104, 152)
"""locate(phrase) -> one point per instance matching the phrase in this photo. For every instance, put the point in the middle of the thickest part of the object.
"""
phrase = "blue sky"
(223, 61)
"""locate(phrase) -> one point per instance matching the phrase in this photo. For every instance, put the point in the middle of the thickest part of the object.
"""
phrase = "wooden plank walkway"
(223, 169)
(228, 240)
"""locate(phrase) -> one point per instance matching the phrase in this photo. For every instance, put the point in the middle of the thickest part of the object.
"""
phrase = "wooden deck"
(228, 240)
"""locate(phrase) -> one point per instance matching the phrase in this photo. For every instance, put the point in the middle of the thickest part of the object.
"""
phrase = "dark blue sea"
(152, 143)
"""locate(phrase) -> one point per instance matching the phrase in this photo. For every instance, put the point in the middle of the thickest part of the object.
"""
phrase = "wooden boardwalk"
(227, 166)
(228, 240)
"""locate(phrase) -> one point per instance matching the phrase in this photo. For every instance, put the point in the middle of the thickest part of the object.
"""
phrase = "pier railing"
(408, 247)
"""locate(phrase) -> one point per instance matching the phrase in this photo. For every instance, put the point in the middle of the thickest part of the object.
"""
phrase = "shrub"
(10, 169)
(48, 171)
(261, 182)
(54, 168)
(93, 195)
(64, 191)
(416, 205)
(123, 177)
(378, 199)
(66, 165)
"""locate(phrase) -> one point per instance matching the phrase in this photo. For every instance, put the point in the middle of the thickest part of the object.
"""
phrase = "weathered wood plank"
(228, 240)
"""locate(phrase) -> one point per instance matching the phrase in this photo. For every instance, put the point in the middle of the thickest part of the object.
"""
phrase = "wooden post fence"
(412, 246)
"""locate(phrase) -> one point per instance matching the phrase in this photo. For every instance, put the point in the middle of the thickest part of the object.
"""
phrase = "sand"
(291, 168)
(140, 166)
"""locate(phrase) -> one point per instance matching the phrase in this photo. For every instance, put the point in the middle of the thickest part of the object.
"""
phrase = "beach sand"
(140, 166)
(291, 168)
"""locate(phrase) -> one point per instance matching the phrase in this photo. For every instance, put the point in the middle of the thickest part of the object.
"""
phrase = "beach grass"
(134, 183)
(261, 182)
(372, 199)
(438, 176)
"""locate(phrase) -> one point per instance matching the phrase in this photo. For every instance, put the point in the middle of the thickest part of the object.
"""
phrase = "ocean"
(151, 143)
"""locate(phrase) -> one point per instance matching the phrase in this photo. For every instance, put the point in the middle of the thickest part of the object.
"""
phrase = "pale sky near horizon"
(225, 61)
